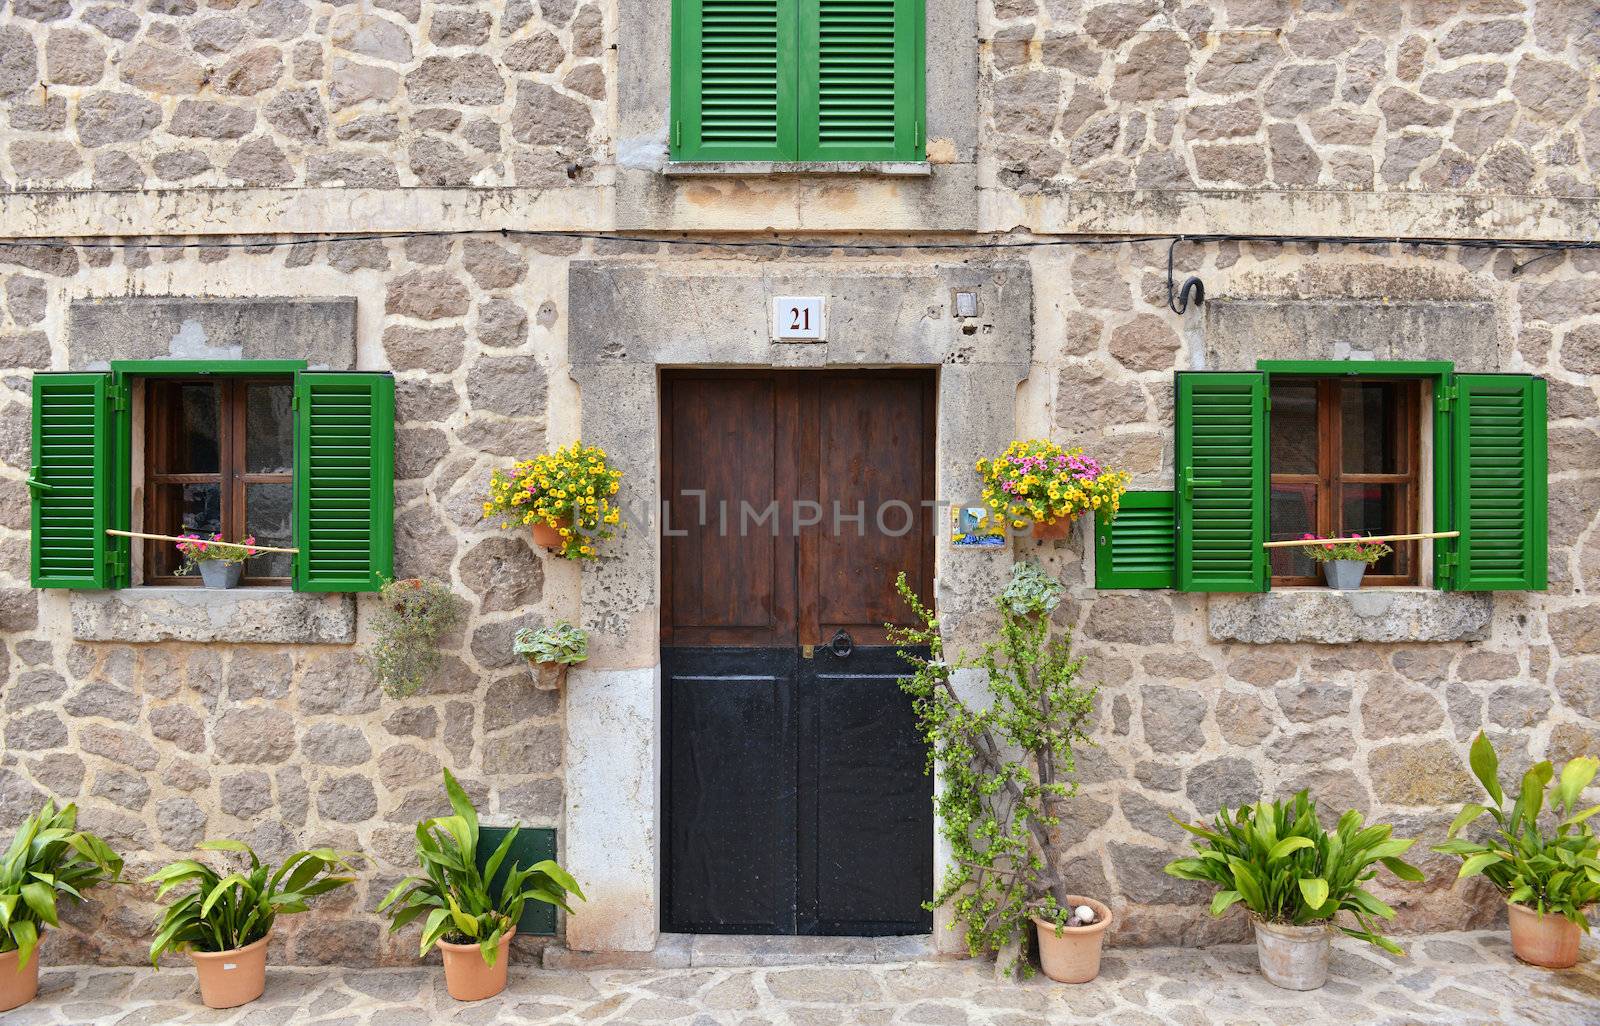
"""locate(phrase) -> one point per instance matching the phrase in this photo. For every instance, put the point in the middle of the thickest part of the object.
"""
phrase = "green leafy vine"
(1006, 768)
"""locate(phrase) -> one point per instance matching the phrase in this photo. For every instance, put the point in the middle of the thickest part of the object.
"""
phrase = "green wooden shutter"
(71, 481)
(343, 480)
(1136, 549)
(733, 80)
(1221, 488)
(861, 80)
(1499, 482)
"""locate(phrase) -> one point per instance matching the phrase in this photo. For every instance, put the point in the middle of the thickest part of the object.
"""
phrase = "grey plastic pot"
(218, 573)
(1344, 574)
(1293, 957)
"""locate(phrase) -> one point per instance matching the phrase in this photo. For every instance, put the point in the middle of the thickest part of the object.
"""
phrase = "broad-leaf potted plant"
(1549, 872)
(221, 563)
(1039, 481)
(565, 498)
(1006, 771)
(1294, 877)
(412, 616)
(48, 857)
(470, 923)
(550, 651)
(223, 920)
(1345, 562)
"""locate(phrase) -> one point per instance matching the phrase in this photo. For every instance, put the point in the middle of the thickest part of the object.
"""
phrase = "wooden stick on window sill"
(1364, 538)
(172, 538)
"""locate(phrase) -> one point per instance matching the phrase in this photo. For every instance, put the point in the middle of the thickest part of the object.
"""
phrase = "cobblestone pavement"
(1453, 978)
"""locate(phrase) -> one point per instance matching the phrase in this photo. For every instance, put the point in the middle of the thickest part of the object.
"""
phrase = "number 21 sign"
(797, 319)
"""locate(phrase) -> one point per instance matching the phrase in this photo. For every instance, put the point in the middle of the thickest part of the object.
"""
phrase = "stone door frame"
(628, 320)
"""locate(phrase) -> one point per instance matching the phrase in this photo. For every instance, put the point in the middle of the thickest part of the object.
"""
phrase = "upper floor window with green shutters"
(299, 459)
(797, 80)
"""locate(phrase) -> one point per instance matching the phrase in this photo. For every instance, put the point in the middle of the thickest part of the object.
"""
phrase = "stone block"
(1328, 617)
(254, 615)
(320, 331)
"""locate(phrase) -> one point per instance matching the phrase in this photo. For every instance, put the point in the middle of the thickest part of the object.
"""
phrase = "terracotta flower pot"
(1550, 940)
(232, 978)
(1044, 531)
(18, 986)
(466, 976)
(1074, 956)
(548, 676)
(1293, 957)
(547, 536)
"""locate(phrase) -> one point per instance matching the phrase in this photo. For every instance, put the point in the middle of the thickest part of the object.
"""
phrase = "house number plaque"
(798, 319)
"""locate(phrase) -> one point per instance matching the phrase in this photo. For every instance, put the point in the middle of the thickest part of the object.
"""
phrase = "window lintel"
(1357, 368)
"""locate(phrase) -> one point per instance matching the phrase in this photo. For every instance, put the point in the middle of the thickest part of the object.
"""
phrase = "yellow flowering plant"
(570, 490)
(1038, 480)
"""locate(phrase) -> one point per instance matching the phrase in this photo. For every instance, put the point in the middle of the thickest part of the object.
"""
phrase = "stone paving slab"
(1450, 979)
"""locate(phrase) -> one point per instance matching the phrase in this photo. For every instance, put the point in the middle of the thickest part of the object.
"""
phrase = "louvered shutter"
(861, 80)
(733, 88)
(1499, 482)
(343, 480)
(71, 480)
(1221, 486)
(1136, 548)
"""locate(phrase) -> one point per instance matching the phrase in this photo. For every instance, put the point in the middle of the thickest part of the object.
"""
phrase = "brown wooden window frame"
(161, 407)
(1331, 477)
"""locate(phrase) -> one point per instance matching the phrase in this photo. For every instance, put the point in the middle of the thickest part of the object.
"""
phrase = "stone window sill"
(775, 168)
(241, 615)
(1327, 617)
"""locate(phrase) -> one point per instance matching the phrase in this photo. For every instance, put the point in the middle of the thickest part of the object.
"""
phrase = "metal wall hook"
(1192, 285)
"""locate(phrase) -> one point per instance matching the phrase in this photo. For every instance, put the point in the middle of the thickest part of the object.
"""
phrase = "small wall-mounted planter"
(546, 536)
(1344, 574)
(549, 676)
(1061, 528)
(219, 573)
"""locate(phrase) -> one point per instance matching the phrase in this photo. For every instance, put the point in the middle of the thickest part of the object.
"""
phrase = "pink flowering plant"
(196, 550)
(1040, 481)
(1355, 548)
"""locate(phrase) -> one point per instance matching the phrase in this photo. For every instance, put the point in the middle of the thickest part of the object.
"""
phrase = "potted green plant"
(551, 650)
(1294, 877)
(461, 913)
(1549, 872)
(1345, 562)
(221, 563)
(48, 857)
(565, 498)
(1006, 771)
(412, 616)
(224, 920)
(1039, 481)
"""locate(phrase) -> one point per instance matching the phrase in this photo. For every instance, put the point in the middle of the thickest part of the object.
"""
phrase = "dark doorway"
(795, 795)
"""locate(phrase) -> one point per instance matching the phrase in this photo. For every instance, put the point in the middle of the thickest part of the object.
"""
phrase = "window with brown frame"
(218, 458)
(1344, 458)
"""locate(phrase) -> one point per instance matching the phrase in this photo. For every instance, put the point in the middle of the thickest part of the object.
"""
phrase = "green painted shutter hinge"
(116, 559)
(1447, 396)
(1447, 565)
(121, 398)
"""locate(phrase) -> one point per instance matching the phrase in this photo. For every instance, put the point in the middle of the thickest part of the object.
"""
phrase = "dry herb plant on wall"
(412, 616)
(1006, 766)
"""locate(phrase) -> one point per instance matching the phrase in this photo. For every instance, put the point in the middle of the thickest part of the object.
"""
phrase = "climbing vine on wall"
(1006, 767)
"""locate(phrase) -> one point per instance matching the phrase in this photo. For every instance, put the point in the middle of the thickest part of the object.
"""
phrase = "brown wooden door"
(792, 499)
(794, 786)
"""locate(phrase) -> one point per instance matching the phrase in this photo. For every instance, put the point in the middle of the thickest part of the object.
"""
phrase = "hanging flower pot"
(550, 651)
(1052, 530)
(546, 536)
(1072, 953)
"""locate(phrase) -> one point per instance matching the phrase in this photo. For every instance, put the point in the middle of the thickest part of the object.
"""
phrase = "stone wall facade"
(248, 124)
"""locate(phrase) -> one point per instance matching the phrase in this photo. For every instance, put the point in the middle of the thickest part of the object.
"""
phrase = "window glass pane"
(182, 509)
(269, 428)
(1294, 428)
(1294, 514)
(1370, 413)
(267, 516)
(1375, 509)
(196, 445)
